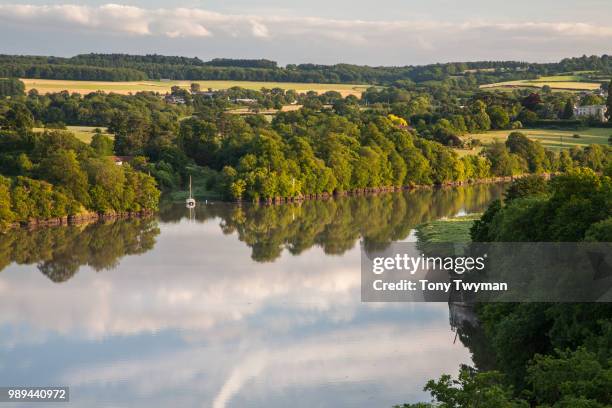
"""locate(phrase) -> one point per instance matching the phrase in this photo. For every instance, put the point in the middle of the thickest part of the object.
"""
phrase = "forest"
(123, 67)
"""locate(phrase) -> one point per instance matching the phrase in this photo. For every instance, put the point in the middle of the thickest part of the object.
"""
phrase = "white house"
(176, 100)
(595, 111)
(245, 100)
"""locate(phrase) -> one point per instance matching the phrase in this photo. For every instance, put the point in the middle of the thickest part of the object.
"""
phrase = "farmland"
(84, 87)
(550, 138)
(83, 133)
(571, 82)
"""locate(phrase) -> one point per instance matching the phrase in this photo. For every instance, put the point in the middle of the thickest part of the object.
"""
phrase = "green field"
(568, 82)
(83, 133)
(550, 138)
(84, 87)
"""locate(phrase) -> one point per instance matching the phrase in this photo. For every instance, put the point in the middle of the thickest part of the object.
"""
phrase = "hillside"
(124, 67)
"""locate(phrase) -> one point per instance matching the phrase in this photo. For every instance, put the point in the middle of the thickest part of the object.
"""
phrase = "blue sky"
(385, 32)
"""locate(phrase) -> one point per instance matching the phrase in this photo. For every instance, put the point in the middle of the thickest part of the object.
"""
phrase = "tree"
(609, 102)
(568, 110)
(102, 144)
(499, 117)
(532, 101)
(107, 185)
(17, 118)
(591, 99)
(525, 187)
(11, 87)
(132, 132)
(62, 169)
(6, 213)
(532, 152)
(503, 163)
(471, 389)
(527, 117)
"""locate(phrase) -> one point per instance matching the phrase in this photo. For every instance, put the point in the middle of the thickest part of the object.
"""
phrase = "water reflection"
(59, 252)
(336, 225)
(193, 319)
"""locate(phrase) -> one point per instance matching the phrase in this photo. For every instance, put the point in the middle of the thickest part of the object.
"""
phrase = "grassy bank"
(455, 229)
(202, 180)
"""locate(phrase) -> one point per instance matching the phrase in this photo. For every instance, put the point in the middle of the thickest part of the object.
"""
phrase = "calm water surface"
(228, 306)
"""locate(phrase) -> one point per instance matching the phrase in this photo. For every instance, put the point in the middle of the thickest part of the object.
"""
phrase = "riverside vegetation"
(398, 136)
(537, 354)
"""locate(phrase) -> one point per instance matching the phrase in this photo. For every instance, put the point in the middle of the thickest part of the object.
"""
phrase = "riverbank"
(95, 217)
(78, 219)
(379, 190)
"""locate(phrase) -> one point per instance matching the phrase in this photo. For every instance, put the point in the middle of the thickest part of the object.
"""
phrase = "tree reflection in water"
(335, 225)
(59, 252)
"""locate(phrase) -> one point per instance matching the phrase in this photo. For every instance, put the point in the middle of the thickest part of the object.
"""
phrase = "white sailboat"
(190, 202)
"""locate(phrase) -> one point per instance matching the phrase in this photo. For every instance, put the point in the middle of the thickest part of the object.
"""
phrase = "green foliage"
(609, 102)
(570, 378)
(568, 110)
(499, 117)
(532, 185)
(62, 168)
(470, 390)
(59, 253)
(577, 200)
(11, 87)
(7, 215)
(66, 178)
(102, 144)
(600, 231)
(503, 162)
(17, 117)
(308, 152)
(553, 355)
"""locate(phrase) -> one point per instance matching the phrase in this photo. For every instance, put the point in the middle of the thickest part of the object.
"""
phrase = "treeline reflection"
(59, 252)
(337, 224)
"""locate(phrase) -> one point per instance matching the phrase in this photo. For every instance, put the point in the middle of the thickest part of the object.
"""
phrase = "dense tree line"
(11, 87)
(123, 67)
(242, 63)
(70, 72)
(53, 174)
(97, 108)
(308, 152)
(143, 124)
(539, 354)
(345, 149)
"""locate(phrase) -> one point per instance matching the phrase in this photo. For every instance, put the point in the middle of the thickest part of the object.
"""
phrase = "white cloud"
(194, 22)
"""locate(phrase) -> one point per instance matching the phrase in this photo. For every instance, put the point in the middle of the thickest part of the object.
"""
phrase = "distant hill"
(124, 67)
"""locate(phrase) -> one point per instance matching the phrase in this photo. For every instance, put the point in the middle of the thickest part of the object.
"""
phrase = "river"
(226, 306)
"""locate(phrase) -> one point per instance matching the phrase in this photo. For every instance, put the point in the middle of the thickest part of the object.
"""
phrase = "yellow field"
(83, 133)
(468, 152)
(550, 138)
(567, 83)
(85, 87)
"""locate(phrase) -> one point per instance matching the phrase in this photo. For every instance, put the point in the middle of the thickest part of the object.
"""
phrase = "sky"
(381, 32)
